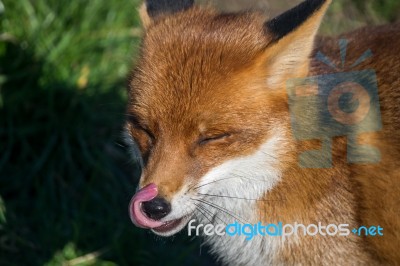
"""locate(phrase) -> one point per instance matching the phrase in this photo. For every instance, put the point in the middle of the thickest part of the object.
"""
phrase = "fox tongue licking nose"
(135, 208)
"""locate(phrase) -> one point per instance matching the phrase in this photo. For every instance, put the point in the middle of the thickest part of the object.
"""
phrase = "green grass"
(346, 15)
(65, 176)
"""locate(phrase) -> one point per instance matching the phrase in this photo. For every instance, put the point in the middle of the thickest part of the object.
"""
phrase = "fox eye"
(142, 136)
(208, 139)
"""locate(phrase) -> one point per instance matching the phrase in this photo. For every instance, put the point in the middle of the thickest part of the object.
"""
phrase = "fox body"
(209, 120)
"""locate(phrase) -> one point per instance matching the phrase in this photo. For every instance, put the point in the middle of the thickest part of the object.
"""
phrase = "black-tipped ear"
(294, 18)
(153, 8)
(158, 7)
(292, 36)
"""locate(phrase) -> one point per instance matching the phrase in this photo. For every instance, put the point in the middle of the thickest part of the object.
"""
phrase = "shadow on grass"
(65, 177)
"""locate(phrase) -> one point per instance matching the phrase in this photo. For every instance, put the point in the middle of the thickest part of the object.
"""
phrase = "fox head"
(208, 114)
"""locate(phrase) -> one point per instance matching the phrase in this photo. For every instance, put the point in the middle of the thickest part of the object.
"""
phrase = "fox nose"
(157, 208)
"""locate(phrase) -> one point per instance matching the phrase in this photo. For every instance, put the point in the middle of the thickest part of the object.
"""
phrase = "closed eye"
(207, 139)
(135, 122)
(142, 136)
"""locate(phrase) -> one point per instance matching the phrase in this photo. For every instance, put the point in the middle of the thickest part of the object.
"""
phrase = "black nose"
(157, 208)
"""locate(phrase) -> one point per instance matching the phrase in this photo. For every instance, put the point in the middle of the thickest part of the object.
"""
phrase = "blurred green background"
(65, 176)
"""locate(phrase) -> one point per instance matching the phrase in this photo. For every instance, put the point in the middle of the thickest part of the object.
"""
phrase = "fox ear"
(292, 36)
(151, 9)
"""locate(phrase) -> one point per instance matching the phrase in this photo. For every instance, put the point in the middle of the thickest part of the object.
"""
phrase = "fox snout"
(146, 209)
(149, 210)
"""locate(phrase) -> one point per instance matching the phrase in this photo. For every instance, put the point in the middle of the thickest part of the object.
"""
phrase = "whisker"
(222, 179)
(222, 209)
(270, 155)
(201, 210)
(120, 144)
(214, 216)
(211, 183)
(224, 242)
(232, 197)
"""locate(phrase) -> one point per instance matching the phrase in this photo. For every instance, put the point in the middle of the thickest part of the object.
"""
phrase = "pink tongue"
(135, 209)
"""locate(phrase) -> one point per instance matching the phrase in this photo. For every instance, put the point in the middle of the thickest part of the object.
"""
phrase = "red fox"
(210, 118)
